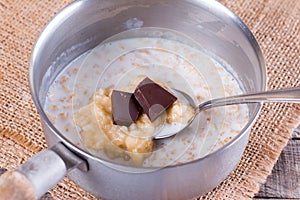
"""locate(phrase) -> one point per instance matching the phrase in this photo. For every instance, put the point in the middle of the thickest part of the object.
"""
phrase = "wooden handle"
(15, 186)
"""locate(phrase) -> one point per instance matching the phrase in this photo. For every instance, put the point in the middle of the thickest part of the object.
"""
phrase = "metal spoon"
(291, 95)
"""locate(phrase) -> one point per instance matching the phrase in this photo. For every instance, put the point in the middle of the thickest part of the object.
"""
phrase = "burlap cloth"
(276, 25)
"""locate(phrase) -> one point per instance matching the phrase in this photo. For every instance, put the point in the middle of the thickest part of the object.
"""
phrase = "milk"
(180, 66)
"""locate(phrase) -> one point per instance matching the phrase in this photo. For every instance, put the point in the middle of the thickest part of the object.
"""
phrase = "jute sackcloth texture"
(275, 24)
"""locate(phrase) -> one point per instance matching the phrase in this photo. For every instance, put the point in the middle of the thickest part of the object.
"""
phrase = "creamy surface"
(116, 64)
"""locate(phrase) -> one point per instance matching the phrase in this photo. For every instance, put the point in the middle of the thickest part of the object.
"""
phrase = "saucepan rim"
(79, 151)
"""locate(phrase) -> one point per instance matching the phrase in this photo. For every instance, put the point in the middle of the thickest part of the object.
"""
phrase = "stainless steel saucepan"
(81, 26)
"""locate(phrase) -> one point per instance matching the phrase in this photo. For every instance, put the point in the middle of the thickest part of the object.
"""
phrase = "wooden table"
(284, 182)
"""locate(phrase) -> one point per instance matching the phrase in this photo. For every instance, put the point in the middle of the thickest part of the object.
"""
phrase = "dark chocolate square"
(153, 98)
(125, 108)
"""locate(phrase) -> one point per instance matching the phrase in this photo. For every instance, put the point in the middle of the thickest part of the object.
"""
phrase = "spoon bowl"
(289, 95)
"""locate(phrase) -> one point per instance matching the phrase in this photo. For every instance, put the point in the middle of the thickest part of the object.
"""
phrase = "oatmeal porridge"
(136, 139)
(78, 102)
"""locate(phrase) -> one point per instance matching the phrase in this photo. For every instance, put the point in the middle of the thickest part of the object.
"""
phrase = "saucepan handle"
(39, 174)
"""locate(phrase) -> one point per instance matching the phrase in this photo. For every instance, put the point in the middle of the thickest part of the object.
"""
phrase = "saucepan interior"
(83, 25)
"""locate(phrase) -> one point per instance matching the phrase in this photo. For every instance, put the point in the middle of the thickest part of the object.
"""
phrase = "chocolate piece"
(153, 98)
(125, 108)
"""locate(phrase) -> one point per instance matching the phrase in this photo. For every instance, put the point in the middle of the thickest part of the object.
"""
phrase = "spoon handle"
(291, 95)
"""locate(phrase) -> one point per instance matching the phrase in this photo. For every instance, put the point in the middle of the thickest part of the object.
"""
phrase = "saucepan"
(80, 27)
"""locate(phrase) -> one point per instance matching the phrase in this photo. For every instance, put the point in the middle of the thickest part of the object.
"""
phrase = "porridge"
(136, 139)
(78, 102)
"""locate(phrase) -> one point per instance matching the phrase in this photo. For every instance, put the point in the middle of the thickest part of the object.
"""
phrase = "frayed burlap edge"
(254, 167)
